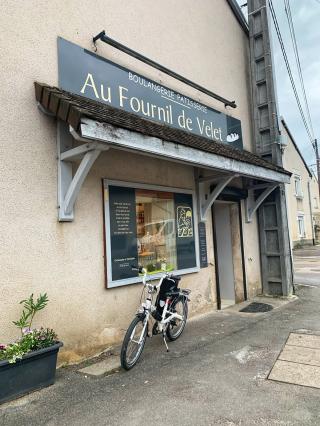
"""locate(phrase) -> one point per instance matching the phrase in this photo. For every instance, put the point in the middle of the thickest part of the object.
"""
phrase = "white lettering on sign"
(105, 93)
(122, 218)
(146, 108)
(86, 74)
(207, 129)
(164, 114)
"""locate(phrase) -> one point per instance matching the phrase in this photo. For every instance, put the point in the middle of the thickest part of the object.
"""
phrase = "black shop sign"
(86, 74)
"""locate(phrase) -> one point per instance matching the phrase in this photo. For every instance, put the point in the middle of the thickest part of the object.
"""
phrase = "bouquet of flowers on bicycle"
(168, 314)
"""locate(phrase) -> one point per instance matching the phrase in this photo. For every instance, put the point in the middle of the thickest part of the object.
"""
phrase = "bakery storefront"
(177, 188)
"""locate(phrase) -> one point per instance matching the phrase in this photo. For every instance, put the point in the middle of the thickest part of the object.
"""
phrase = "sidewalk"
(215, 374)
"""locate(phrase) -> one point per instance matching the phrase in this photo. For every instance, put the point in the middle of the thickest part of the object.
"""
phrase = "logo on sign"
(184, 222)
(232, 137)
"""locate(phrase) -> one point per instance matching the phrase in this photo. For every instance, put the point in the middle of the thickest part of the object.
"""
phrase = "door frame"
(215, 249)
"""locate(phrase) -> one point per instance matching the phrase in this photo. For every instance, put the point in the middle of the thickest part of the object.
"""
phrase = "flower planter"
(34, 371)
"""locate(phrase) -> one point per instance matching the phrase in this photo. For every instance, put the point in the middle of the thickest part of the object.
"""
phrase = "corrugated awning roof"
(72, 108)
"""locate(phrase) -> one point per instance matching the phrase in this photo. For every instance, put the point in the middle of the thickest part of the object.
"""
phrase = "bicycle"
(170, 313)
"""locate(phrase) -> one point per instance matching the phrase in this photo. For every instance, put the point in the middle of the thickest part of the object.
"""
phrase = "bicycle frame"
(147, 307)
(165, 320)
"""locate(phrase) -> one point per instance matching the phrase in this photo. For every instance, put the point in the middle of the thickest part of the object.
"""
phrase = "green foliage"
(31, 307)
(298, 246)
(12, 352)
(43, 338)
(31, 341)
(23, 321)
(151, 267)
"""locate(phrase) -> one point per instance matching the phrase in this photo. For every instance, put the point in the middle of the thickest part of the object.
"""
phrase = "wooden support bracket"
(251, 205)
(206, 200)
(68, 185)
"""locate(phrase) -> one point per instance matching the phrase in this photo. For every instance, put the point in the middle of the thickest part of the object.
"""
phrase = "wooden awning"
(99, 127)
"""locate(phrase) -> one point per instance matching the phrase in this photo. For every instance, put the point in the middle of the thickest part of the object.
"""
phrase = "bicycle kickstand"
(165, 342)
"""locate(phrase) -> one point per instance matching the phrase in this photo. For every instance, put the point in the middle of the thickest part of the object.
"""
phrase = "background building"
(302, 194)
(315, 206)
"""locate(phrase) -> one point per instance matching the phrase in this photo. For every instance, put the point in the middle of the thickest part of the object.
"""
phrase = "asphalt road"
(215, 374)
(307, 266)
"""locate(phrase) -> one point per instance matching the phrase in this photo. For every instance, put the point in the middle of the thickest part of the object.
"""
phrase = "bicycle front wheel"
(133, 342)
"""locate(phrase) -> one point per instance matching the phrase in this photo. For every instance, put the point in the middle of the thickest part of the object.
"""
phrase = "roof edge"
(71, 108)
(239, 15)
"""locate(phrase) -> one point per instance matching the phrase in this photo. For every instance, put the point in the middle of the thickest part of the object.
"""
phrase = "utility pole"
(317, 162)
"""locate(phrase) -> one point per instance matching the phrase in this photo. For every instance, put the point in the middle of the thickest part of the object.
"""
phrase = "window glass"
(297, 186)
(151, 228)
(156, 237)
(301, 226)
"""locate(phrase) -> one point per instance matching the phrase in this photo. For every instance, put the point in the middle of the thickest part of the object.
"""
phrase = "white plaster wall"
(314, 192)
(201, 40)
(251, 248)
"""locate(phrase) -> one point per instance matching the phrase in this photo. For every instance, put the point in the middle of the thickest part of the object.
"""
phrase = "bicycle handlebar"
(143, 271)
(140, 269)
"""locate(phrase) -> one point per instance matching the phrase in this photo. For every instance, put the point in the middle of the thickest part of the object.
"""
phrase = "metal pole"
(318, 162)
(311, 214)
(102, 36)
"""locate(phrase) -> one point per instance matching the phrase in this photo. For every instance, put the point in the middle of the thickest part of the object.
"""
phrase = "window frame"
(300, 216)
(297, 178)
(107, 240)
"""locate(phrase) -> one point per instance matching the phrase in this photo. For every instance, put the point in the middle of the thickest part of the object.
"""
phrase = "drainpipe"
(311, 215)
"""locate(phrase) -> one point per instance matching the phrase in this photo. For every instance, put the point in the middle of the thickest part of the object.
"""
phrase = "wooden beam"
(252, 205)
(206, 203)
(67, 207)
(78, 151)
(156, 147)
(69, 186)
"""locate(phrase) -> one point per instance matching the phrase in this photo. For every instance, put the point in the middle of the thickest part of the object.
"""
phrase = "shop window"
(156, 236)
(298, 186)
(301, 228)
(149, 227)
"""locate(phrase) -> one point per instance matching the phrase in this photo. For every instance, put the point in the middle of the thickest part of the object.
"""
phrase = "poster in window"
(123, 232)
(185, 242)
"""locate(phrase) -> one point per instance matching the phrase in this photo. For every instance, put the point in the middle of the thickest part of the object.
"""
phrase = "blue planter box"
(34, 371)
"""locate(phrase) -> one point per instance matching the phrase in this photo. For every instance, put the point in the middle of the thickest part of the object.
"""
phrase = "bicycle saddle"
(176, 278)
(173, 293)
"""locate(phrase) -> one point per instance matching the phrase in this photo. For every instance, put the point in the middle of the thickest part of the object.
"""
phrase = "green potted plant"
(30, 362)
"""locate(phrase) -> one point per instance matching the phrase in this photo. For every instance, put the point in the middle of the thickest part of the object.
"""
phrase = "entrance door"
(230, 276)
(224, 259)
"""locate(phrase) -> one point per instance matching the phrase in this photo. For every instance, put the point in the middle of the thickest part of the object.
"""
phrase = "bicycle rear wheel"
(133, 343)
(176, 326)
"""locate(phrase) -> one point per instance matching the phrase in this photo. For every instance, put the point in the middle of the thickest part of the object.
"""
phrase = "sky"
(306, 21)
